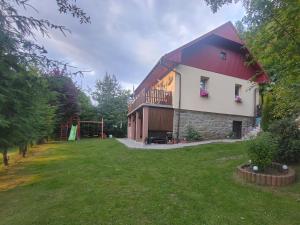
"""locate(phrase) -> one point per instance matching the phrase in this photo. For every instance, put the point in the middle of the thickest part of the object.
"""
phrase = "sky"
(126, 37)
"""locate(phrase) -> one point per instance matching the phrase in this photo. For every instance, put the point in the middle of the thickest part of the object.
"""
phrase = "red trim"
(230, 38)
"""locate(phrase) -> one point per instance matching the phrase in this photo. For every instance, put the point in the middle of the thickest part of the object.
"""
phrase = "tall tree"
(24, 110)
(112, 104)
(87, 110)
(64, 98)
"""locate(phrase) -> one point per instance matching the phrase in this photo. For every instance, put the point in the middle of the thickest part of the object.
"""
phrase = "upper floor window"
(203, 87)
(223, 55)
(203, 83)
(237, 90)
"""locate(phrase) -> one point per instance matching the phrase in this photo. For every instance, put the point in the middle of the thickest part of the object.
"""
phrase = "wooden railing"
(151, 96)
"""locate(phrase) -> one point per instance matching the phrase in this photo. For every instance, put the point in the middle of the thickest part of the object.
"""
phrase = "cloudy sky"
(127, 37)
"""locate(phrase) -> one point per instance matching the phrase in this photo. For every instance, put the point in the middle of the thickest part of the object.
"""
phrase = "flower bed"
(277, 178)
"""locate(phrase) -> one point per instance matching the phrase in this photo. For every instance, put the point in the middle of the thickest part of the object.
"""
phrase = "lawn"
(102, 182)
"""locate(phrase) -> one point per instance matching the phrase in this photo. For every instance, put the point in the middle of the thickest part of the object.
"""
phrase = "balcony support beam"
(145, 122)
(138, 123)
(132, 130)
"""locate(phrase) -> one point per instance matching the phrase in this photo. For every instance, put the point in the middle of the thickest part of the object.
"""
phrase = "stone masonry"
(209, 125)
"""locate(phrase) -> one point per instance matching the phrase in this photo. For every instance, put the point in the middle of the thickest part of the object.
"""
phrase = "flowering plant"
(203, 93)
(238, 99)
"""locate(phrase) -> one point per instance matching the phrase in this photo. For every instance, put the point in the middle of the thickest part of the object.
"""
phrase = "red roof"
(226, 33)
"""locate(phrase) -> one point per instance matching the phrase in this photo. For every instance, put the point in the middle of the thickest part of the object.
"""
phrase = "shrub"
(288, 135)
(192, 134)
(267, 108)
(262, 150)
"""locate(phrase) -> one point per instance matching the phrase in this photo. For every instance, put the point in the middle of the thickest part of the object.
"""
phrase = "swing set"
(75, 128)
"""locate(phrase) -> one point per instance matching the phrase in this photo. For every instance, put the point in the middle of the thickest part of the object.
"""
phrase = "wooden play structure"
(75, 128)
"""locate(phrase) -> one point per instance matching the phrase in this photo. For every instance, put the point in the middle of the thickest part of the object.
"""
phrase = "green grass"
(102, 182)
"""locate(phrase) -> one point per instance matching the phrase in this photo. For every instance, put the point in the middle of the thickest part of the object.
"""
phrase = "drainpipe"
(255, 109)
(179, 100)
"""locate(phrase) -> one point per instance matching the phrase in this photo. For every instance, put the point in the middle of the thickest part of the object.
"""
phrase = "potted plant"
(203, 93)
(238, 99)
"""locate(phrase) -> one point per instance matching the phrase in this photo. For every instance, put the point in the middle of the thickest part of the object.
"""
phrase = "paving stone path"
(139, 145)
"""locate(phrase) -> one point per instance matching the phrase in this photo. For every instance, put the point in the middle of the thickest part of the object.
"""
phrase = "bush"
(288, 135)
(267, 108)
(262, 150)
(192, 134)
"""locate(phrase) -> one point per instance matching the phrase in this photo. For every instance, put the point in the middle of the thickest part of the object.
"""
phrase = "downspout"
(179, 100)
(255, 109)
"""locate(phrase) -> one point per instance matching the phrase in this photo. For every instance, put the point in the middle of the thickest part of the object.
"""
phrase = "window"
(203, 87)
(237, 90)
(203, 83)
(223, 55)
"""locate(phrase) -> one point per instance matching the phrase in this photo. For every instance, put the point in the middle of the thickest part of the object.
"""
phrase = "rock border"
(268, 180)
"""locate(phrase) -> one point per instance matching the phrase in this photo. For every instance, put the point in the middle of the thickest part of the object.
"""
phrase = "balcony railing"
(151, 96)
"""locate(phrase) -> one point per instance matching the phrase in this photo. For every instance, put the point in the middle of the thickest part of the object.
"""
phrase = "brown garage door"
(161, 119)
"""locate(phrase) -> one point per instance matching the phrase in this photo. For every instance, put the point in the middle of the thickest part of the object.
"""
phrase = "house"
(206, 84)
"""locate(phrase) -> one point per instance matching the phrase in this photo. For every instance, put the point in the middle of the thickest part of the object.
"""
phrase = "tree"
(87, 110)
(24, 111)
(64, 98)
(112, 104)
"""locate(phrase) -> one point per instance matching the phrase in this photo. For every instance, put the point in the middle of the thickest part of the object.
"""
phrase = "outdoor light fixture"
(284, 167)
(255, 168)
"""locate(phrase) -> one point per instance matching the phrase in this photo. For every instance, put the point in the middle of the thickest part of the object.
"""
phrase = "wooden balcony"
(151, 96)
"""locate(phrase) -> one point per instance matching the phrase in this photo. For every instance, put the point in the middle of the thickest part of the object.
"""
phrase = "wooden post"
(145, 122)
(78, 129)
(137, 126)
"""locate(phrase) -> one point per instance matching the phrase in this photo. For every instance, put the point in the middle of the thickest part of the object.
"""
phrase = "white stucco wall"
(221, 89)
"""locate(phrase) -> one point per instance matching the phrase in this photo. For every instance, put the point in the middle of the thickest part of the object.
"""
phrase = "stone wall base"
(209, 125)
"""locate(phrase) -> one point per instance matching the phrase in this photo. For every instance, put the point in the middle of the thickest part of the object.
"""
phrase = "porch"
(149, 122)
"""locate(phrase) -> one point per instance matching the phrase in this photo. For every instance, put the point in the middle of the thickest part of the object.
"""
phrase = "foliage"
(25, 114)
(288, 136)
(268, 106)
(262, 150)
(192, 134)
(17, 33)
(64, 97)
(87, 110)
(112, 105)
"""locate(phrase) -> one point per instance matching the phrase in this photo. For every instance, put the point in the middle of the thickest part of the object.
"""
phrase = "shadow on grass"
(24, 171)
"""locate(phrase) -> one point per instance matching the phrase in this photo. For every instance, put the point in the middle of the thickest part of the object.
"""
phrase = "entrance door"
(237, 129)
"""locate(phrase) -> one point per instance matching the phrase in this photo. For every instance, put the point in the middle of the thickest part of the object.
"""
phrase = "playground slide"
(73, 132)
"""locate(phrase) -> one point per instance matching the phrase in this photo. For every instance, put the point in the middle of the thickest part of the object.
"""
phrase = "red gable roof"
(224, 33)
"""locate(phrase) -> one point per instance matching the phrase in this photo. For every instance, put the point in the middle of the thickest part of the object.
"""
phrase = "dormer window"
(223, 55)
